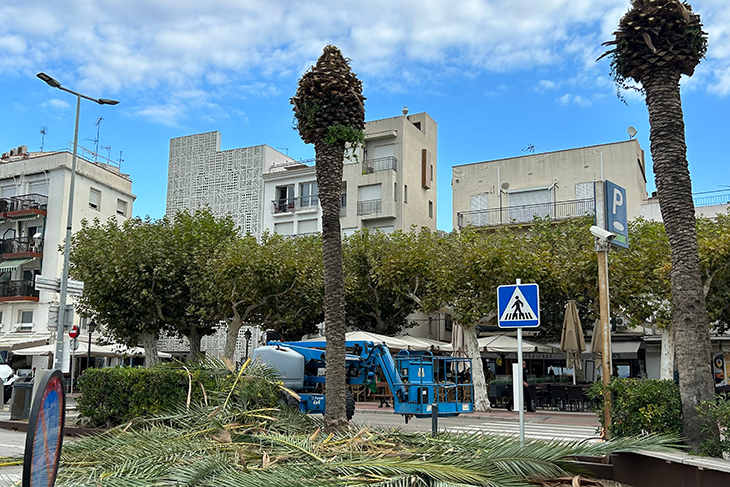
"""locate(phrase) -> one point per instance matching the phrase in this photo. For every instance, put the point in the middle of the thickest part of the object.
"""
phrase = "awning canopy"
(625, 350)
(96, 351)
(12, 264)
(508, 344)
(423, 344)
(27, 216)
(19, 340)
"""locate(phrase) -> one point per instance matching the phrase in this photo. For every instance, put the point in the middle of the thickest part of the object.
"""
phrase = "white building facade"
(34, 189)
(228, 182)
(388, 184)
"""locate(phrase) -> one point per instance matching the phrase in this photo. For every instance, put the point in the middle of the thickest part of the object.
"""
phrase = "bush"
(715, 414)
(640, 406)
(116, 395)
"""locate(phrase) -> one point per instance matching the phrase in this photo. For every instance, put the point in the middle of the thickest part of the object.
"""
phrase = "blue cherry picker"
(417, 380)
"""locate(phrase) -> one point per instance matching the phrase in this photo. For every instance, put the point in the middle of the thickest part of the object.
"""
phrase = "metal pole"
(73, 367)
(434, 419)
(88, 356)
(520, 389)
(58, 357)
(605, 335)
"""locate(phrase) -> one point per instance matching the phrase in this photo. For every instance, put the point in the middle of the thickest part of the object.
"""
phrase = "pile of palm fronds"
(223, 444)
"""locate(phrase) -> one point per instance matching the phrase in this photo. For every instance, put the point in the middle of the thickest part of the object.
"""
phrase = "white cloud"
(545, 85)
(174, 46)
(571, 99)
(56, 103)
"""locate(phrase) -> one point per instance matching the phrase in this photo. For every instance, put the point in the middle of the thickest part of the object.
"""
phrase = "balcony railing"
(21, 245)
(710, 200)
(24, 204)
(368, 207)
(23, 288)
(560, 210)
(290, 205)
(388, 163)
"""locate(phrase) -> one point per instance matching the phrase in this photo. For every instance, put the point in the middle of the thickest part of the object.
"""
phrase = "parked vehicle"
(417, 380)
(8, 378)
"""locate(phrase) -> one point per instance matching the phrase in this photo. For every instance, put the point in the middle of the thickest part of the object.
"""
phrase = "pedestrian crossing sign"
(518, 306)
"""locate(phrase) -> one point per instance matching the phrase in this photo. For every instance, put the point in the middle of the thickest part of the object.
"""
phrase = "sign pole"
(606, 337)
(520, 378)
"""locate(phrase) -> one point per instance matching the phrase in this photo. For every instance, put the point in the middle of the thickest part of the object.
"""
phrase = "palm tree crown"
(329, 104)
(656, 34)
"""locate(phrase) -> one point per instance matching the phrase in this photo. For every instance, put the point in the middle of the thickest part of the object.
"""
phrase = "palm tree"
(656, 43)
(330, 114)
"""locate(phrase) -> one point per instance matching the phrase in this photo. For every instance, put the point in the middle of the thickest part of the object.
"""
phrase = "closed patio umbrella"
(572, 341)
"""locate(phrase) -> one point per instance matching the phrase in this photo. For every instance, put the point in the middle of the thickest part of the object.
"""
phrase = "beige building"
(34, 189)
(389, 184)
(557, 184)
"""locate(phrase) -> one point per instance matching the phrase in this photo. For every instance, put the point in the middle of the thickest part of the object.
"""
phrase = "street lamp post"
(247, 336)
(58, 355)
(92, 327)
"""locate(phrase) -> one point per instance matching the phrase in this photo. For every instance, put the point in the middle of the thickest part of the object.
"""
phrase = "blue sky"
(496, 75)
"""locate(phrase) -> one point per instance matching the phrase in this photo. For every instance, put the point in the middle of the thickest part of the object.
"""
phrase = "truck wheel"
(349, 406)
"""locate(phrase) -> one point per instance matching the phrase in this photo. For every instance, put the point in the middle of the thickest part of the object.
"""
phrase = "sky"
(500, 77)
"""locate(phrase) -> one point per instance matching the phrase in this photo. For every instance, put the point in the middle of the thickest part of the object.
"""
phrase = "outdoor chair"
(558, 396)
(575, 398)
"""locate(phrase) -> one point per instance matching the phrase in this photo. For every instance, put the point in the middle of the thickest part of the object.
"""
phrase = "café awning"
(12, 264)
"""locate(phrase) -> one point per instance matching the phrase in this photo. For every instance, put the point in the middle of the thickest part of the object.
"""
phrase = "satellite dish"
(632, 131)
(505, 186)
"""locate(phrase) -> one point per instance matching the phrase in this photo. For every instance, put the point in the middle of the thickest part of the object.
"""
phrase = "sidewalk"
(547, 416)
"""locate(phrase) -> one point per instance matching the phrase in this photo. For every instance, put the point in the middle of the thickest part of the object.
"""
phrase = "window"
(7, 191)
(395, 191)
(306, 227)
(524, 205)
(309, 194)
(430, 209)
(405, 193)
(284, 201)
(38, 187)
(284, 228)
(479, 204)
(121, 207)
(95, 199)
(25, 319)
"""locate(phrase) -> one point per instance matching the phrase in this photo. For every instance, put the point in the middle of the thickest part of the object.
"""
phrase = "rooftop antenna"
(632, 132)
(43, 137)
(120, 160)
(284, 148)
(108, 151)
(530, 148)
(96, 140)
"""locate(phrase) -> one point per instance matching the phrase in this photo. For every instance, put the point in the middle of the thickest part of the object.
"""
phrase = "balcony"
(291, 205)
(22, 290)
(711, 200)
(24, 207)
(368, 207)
(560, 210)
(21, 247)
(380, 164)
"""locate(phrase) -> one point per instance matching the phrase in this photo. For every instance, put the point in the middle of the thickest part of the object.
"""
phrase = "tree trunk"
(693, 352)
(234, 325)
(329, 181)
(194, 338)
(481, 394)
(667, 358)
(149, 342)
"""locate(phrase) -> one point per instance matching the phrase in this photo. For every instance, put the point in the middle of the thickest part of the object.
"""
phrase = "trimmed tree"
(330, 113)
(656, 43)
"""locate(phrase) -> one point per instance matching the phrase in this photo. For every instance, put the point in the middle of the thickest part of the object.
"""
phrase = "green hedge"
(640, 406)
(114, 396)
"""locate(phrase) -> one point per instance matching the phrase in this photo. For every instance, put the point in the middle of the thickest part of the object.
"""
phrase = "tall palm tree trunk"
(329, 181)
(689, 316)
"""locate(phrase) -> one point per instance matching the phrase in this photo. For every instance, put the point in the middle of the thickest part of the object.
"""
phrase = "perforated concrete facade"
(229, 182)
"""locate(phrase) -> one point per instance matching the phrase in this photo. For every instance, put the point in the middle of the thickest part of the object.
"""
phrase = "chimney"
(13, 152)
(22, 150)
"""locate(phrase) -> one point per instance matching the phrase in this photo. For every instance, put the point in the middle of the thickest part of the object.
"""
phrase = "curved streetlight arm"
(58, 355)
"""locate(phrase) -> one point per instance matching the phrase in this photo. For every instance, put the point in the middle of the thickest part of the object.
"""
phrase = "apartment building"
(228, 182)
(388, 184)
(557, 185)
(34, 189)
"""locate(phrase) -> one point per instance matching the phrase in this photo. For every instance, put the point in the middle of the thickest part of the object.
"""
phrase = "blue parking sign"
(616, 218)
(518, 306)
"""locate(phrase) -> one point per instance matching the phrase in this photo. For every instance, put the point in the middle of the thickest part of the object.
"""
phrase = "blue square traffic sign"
(518, 306)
